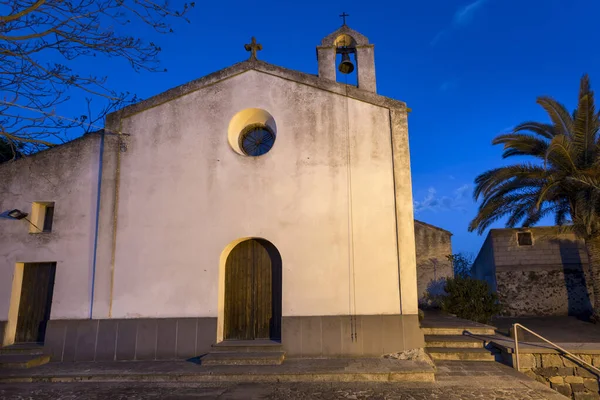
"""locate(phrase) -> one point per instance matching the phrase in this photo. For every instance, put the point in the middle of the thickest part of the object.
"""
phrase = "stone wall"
(549, 277)
(563, 374)
(433, 246)
(557, 290)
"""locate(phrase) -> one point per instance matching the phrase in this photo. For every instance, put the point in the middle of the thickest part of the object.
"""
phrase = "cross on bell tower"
(343, 16)
(253, 47)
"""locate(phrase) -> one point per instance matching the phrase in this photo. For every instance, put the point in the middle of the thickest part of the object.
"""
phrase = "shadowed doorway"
(35, 302)
(253, 291)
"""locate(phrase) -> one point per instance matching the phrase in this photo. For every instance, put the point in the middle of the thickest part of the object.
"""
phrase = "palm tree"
(562, 179)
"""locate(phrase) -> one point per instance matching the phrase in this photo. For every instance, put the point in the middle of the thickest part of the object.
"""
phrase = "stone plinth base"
(183, 338)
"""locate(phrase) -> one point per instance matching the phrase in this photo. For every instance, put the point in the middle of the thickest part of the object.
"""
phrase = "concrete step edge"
(481, 350)
(456, 331)
(404, 376)
(33, 361)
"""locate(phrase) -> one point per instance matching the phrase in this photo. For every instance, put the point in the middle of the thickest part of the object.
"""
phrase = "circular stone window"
(256, 140)
(252, 132)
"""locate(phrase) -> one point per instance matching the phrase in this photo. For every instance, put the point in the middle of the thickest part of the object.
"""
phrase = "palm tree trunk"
(593, 250)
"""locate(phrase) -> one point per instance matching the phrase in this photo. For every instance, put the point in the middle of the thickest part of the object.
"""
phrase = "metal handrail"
(515, 326)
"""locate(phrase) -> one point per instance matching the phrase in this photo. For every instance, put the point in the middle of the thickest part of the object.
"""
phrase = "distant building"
(536, 271)
(433, 247)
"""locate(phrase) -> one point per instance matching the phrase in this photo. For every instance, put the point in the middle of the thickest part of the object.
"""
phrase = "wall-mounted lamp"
(14, 214)
(17, 214)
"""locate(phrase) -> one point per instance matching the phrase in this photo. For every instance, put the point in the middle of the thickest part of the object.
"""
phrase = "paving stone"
(547, 372)
(591, 384)
(586, 396)
(562, 389)
(573, 379)
(585, 373)
(325, 391)
(557, 380)
(527, 361)
(566, 371)
(552, 360)
(577, 387)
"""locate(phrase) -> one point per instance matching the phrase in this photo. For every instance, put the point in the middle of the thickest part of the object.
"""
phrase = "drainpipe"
(99, 189)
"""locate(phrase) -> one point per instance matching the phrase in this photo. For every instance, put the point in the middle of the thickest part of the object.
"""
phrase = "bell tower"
(348, 42)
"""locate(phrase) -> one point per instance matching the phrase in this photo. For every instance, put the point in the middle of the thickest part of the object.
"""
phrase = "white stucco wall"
(185, 195)
(67, 176)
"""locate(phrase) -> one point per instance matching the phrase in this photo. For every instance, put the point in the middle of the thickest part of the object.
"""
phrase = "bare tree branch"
(39, 39)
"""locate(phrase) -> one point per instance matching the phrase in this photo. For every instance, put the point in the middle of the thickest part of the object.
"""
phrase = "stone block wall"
(563, 374)
(528, 291)
(433, 246)
(549, 277)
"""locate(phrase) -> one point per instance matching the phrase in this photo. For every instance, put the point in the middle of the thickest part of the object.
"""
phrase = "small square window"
(48, 217)
(524, 238)
(42, 217)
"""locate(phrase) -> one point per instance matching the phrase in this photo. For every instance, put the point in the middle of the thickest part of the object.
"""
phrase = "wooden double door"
(253, 292)
(35, 302)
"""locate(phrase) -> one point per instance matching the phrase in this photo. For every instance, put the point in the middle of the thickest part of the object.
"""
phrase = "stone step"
(453, 341)
(247, 346)
(243, 358)
(23, 348)
(462, 354)
(459, 331)
(23, 360)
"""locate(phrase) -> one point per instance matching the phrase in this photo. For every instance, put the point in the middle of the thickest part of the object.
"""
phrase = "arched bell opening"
(345, 49)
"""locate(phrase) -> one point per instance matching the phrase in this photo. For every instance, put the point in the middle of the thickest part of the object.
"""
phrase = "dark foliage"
(470, 299)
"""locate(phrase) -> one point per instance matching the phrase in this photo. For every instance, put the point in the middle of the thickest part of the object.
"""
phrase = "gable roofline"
(554, 228)
(353, 92)
(72, 142)
(433, 227)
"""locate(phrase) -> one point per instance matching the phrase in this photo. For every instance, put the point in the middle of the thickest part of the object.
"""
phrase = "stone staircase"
(23, 356)
(245, 352)
(452, 339)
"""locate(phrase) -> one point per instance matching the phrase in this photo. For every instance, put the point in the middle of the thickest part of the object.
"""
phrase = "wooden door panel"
(238, 293)
(35, 302)
(262, 290)
(253, 291)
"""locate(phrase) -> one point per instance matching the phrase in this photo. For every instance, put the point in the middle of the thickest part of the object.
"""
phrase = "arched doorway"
(253, 292)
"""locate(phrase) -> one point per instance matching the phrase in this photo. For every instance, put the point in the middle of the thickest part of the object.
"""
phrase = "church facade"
(255, 203)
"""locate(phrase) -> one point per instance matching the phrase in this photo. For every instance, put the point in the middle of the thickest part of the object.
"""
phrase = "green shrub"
(470, 299)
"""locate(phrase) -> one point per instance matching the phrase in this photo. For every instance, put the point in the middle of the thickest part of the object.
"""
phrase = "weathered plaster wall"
(550, 277)
(184, 195)
(66, 175)
(433, 246)
(484, 267)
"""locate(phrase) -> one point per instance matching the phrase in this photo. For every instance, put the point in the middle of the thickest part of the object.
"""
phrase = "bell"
(346, 66)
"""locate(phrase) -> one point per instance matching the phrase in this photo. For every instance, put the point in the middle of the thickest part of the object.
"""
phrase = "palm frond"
(487, 182)
(560, 153)
(558, 113)
(585, 127)
(519, 144)
(547, 131)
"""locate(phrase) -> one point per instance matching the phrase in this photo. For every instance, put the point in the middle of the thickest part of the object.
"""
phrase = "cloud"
(433, 202)
(465, 14)
(449, 85)
(462, 17)
(438, 38)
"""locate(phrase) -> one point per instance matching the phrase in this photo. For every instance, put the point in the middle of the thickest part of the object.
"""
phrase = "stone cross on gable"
(253, 47)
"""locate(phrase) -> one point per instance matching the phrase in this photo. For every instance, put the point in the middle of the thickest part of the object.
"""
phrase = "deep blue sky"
(469, 71)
